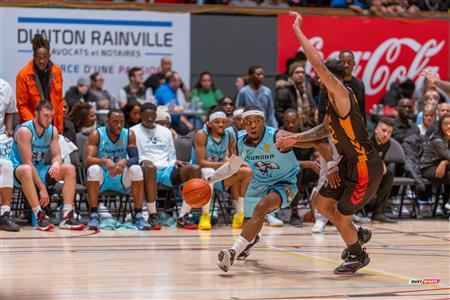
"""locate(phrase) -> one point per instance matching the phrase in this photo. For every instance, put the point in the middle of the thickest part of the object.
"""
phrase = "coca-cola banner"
(386, 50)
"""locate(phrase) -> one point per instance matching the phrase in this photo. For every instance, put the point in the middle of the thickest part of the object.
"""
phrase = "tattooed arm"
(304, 139)
(339, 94)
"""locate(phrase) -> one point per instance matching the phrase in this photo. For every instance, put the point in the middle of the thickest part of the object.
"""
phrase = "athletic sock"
(355, 249)
(240, 245)
(36, 210)
(239, 205)
(151, 207)
(93, 210)
(185, 209)
(4, 208)
(66, 210)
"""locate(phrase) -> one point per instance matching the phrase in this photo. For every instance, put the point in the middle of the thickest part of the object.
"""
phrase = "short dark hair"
(441, 120)
(347, 51)
(114, 110)
(408, 85)
(300, 55)
(289, 62)
(149, 106)
(44, 104)
(336, 67)
(39, 41)
(289, 111)
(132, 71)
(252, 69)
(94, 76)
(170, 76)
(387, 121)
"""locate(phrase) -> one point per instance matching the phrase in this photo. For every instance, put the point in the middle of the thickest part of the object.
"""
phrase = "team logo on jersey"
(289, 193)
(266, 147)
(121, 142)
(264, 167)
(47, 138)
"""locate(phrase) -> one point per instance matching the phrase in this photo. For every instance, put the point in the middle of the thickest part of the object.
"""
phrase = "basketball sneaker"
(69, 222)
(352, 263)
(238, 220)
(205, 222)
(43, 223)
(225, 259)
(94, 221)
(140, 222)
(364, 236)
(319, 226)
(244, 254)
(153, 220)
(7, 222)
(274, 221)
(186, 223)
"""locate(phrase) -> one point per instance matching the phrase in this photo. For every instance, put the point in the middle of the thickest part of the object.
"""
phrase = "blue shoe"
(140, 223)
(94, 222)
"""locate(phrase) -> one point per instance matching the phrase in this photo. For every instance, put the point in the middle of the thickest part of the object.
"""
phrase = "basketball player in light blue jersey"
(32, 140)
(212, 148)
(274, 182)
(237, 127)
(109, 169)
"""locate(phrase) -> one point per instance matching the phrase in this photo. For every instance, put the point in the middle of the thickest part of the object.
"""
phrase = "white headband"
(238, 112)
(253, 113)
(217, 115)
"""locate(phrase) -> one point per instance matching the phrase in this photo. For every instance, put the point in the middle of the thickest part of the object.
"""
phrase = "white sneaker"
(103, 212)
(274, 221)
(319, 227)
(447, 205)
(225, 259)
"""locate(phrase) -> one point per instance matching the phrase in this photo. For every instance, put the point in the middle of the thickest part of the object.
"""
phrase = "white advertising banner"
(84, 41)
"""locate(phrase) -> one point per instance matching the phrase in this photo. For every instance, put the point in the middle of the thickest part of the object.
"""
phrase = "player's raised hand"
(298, 20)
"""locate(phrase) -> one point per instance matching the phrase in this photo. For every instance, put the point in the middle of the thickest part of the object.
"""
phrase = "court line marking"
(414, 233)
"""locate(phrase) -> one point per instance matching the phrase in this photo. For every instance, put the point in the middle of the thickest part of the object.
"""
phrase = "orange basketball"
(196, 192)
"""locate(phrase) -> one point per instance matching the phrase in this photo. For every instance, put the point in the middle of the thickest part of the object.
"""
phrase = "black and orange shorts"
(359, 183)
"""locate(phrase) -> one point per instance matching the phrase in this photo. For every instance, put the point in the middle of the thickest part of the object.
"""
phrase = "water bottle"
(33, 220)
(194, 104)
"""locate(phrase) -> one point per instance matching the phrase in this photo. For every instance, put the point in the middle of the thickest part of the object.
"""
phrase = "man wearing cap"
(79, 92)
(158, 160)
(298, 95)
(163, 118)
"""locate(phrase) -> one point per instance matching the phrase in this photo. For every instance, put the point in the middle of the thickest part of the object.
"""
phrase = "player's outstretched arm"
(340, 94)
(299, 139)
(301, 144)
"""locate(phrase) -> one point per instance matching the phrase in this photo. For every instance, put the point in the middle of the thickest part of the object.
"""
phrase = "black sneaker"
(352, 263)
(244, 254)
(186, 223)
(43, 223)
(7, 222)
(155, 224)
(225, 259)
(383, 219)
(364, 236)
(296, 220)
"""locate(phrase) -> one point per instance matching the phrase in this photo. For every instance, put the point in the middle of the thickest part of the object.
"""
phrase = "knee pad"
(95, 173)
(6, 173)
(135, 173)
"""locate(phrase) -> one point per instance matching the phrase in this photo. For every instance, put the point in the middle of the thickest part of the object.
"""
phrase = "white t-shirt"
(155, 145)
(7, 103)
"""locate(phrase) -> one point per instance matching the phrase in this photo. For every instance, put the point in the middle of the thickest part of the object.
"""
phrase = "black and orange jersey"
(350, 133)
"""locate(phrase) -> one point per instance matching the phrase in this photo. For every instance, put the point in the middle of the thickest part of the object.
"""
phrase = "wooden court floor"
(290, 263)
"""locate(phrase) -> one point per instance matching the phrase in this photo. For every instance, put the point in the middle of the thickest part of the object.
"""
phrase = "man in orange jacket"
(40, 79)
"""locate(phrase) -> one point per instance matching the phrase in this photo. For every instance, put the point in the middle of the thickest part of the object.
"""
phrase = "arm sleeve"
(133, 156)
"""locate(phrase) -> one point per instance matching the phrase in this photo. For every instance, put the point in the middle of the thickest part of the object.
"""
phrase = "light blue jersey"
(233, 132)
(115, 151)
(273, 171)
(40, 145)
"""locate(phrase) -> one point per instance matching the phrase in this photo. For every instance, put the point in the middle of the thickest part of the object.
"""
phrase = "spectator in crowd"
(348, 59)
(228, 105)
(84, 120)
(404, 127)
(240, 82)
(310, 168)
(40, 79)
(257, 94)
(397, 91)
(32, 140)
(157, 158)
(167, 95)
(381, 141)
(132, 113)
(163, 118)
(433, 5)
(79, 93)
(357, 6)
(430, 97)
(135, 90)
(297, 96)
(443, 109)
(68, 128)
(274, 4)
(7, 111)
(100, 96)
(114, 166)
(205, 91)
(427, 127)
(436, 157)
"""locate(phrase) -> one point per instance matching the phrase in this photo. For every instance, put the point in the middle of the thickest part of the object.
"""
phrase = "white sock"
(4, 208)
(152, 207)
(185, 209)
(239, 205)
(36, 210)
(239, 246)
(66, 209)
(206, 208)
